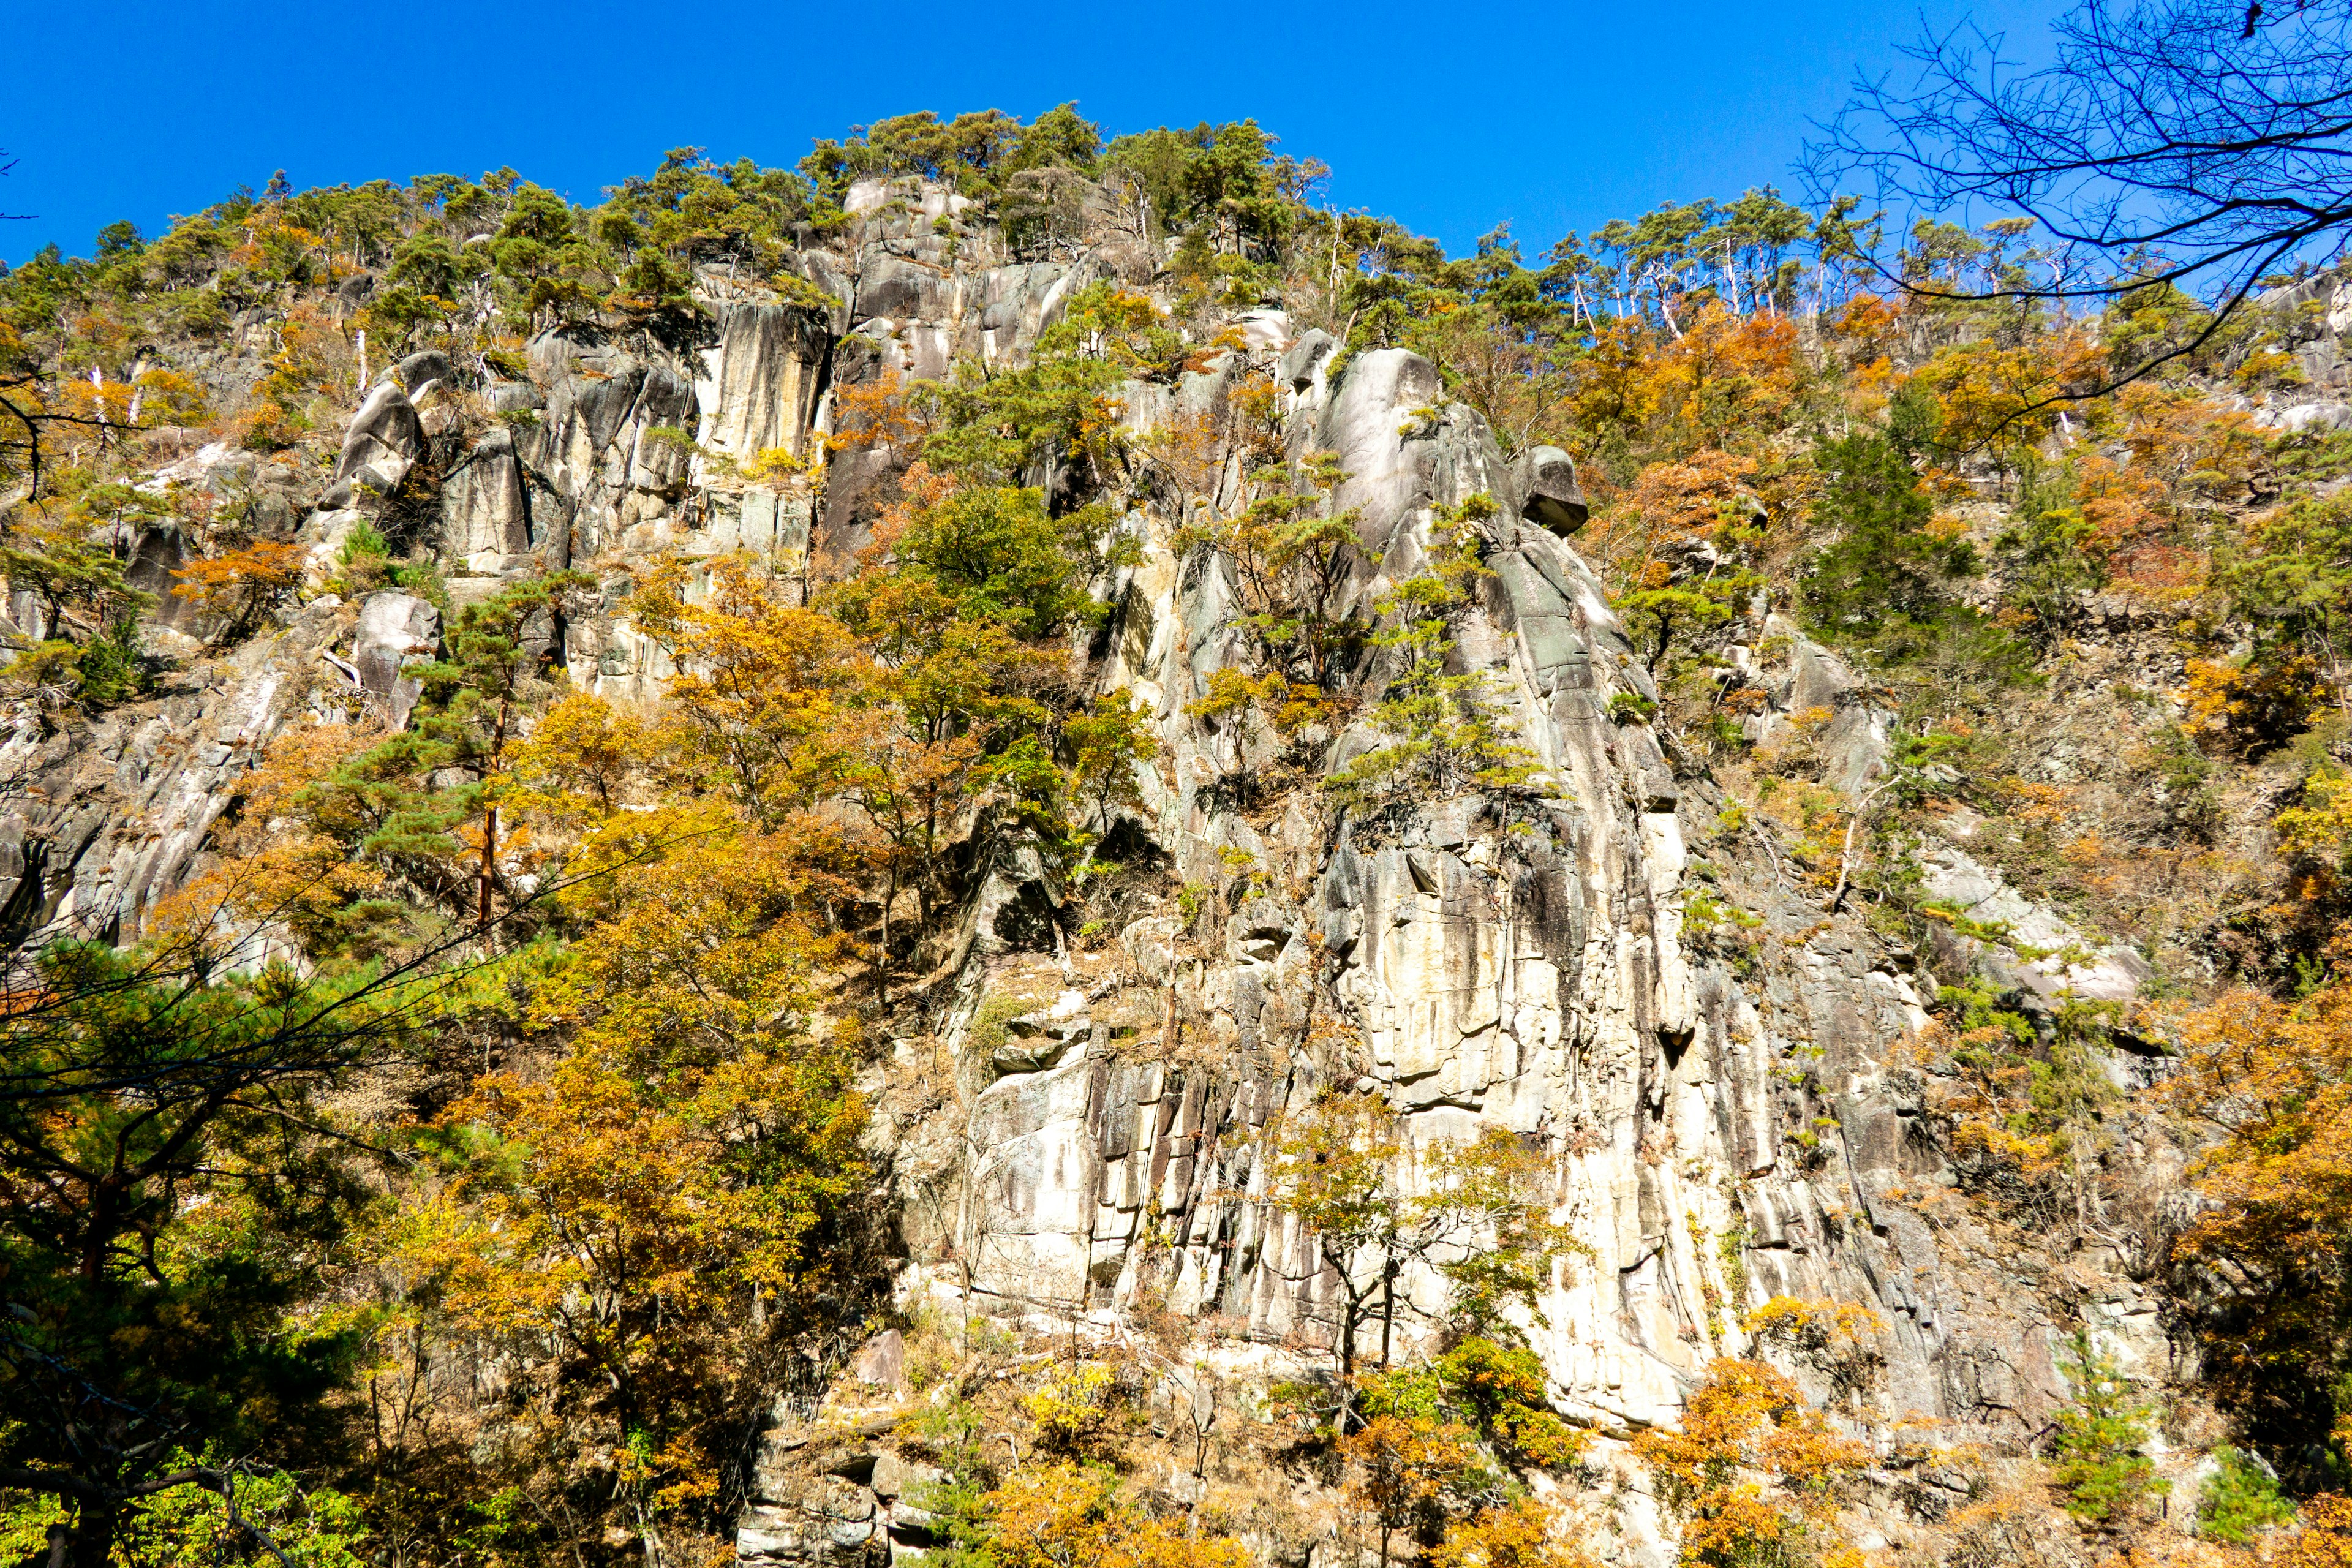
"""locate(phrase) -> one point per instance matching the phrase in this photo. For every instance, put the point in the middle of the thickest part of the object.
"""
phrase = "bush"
(2096, 1457)
(2242, 1499)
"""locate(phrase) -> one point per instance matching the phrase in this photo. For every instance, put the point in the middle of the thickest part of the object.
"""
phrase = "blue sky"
(1449, 118)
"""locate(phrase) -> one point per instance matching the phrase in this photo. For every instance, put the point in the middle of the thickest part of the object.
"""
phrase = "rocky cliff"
(1730, 1106)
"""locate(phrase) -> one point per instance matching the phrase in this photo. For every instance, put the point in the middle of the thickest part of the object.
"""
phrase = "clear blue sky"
(1451, 118)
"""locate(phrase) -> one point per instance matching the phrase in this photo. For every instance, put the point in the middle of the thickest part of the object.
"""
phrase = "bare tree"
(2201, 143)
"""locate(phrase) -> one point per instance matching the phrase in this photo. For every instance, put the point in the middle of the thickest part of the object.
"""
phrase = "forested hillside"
(1017, 851)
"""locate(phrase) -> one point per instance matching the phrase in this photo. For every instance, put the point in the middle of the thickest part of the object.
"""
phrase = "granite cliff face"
(1730, 1110)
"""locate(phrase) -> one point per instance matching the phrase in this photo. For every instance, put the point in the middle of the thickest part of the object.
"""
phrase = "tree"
(1447, 734)
(758, 679)
(1752, 1471)
(2097, 1456)
(1065, 1516)
(664, 1204)
(240, 585)
(475, 697)
(1107, 743)
(2168, 142)
(1882, 561)
(2291, 577)
(1479, 1220)
(171, 1187)
(1289, 550)
(2272, 1081)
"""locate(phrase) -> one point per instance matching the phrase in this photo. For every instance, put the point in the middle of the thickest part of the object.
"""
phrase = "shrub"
(2096, 1459)
(2242, 1499)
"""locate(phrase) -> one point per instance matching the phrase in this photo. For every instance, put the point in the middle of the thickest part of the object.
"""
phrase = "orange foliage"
(1752, 1465)
(1066, 1517)
(286, 862)
(2273, 1079)
(2325, 1540)
(242, 585)
(878, 413)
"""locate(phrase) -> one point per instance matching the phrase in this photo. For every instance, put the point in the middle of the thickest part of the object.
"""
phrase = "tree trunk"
(882, 956)
(93, 1534)
(489, 859)
(1387, 1308)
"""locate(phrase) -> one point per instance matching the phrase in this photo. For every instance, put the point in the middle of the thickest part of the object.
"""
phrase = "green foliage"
(2097, 1456)
(1974, 1005)
(1447, 733)
(997, 555)
(1630, 707)
(2048, 556)
(109, 669)
(168, 1208)
(972, 154)
(999, 426)
(1221, 182)
(1882, 563)
(2241, 1500)
(2290, 578)
(304, 1529)
(1107, 745)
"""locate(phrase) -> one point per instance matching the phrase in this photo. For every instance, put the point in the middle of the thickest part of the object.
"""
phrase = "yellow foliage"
(1064, 1517)
(1752, 1467)
(2262, 701)
(1075, 1411)
(771, 466)
(1521, 1534)
(1812, 1323)
(583, 758)
(759, 678)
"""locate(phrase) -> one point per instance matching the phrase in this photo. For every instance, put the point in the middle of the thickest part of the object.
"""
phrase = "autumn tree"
(241, 585)
(1065, 1516)
(2168, 143)
(666, 1201)
(1752, 1471)
(2271, 1082)
(1477, 1217)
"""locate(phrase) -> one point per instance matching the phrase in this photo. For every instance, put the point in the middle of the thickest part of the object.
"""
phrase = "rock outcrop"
(1727, 1115)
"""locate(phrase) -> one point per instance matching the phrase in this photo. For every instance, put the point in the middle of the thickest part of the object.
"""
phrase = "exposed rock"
(486, 507)
(763, 386)
(2061, 961)
(396, 631)
(1554, 501)
(1302, 360)
(381, 444)
(883, 1361)
(2303, 416)
(425, 368)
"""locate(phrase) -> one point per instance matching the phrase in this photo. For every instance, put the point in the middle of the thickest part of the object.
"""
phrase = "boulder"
(2306, 417)
(883, 1360)
(1301, 360)
(1032, 1053)
(1553, 500)
(1265, 328)
(382, 441)
(1372, 404)
(396, 630)
(486, 507)
(895, 1477)
(421, 370)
